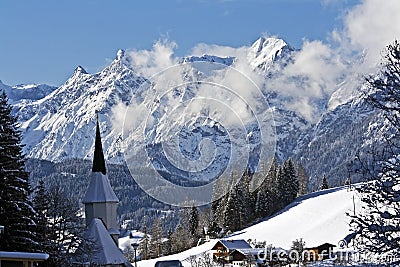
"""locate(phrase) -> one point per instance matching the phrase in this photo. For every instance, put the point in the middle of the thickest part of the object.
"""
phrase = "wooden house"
(318, 253)
(224, 247)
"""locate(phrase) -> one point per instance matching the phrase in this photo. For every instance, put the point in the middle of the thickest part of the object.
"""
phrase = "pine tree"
(292, 180)
(377, 224)
(231, 215)
(16, 212)
(156, 239)
(265, 194)
(144, 244)
(303, 180)
(193, 221)
(324, 184)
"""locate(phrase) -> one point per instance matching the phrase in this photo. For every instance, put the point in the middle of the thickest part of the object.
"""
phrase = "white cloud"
(372, 25)
(150, 62)
(317, 68)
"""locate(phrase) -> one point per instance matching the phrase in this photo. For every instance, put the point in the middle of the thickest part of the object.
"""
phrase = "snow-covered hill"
(317, 218)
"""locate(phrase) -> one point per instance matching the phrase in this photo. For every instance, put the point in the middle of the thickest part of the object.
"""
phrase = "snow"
(235, 244)
(317, 218)
(125, 242)
(99, 190)
(23, 255)
(181, 256)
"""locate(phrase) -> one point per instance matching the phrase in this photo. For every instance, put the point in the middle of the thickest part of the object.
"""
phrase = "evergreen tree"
(156, 239)
(288, 184)
(292, 181)
(144, 244)
(303, 180)
(230, 215)
(16, 212)
(167, 247)
(377, 224)
(324, 184)
(266, 195)
(193, 221)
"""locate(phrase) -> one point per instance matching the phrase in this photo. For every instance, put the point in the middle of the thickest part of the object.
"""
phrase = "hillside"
(317, 218)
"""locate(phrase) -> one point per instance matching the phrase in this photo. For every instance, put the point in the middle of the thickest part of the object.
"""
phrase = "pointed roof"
(105, 250)
(99, 164)
(99, 190)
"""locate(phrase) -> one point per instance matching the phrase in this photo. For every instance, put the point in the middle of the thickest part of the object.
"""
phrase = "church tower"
(100, 200)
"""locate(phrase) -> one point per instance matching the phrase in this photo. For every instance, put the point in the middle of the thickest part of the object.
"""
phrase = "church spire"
(98, 157)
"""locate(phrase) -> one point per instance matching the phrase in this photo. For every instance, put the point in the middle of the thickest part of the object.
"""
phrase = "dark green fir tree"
(16, 212)
(324, 184)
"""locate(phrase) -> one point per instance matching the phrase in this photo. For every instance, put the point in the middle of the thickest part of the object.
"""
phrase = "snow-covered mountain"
(26, 92)
(58, 123)
(61, 124)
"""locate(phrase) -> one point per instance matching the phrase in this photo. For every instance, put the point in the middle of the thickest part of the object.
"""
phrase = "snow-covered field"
(318, 218)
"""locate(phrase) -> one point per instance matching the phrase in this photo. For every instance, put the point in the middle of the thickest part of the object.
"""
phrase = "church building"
(101, 214)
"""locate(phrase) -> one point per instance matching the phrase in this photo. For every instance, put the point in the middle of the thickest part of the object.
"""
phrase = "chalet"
(247, 257)
(320, 252)
(222, 249)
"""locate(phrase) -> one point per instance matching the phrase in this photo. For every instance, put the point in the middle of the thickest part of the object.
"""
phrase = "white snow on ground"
(318, 218)
(181, 256)
(127, 241)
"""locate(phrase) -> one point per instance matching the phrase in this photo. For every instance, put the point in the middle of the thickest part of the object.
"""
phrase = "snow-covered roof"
(232, 244)
(250, 251)
(99, 190)
(105, 250)
(24, 255)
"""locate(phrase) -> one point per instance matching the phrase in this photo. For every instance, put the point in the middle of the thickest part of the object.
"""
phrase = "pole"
(135, 257)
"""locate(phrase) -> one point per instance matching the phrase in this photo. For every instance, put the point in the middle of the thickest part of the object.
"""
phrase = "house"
(101, 216)
(320, 252)
(247, 257)
(222, 249)
(21, 259)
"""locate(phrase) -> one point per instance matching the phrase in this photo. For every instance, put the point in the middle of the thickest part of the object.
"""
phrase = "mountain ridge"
(60, 124)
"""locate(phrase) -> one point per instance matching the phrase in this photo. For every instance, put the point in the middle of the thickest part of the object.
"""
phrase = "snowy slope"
(317, 218)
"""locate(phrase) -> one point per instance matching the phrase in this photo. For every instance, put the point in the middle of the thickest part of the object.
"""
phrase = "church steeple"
(99, 164)
(100, 200)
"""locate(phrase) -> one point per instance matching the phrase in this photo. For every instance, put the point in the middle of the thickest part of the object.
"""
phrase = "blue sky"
(43, 41)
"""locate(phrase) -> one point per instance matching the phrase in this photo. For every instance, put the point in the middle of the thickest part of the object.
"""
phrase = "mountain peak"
(120, 54)
(80, 70)
(267, 50)
(263, 43)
